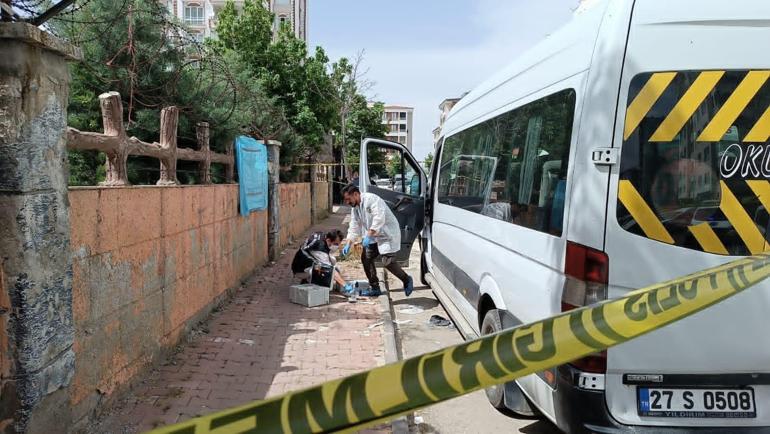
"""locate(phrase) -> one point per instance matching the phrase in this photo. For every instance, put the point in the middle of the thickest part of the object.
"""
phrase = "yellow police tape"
(383, 393)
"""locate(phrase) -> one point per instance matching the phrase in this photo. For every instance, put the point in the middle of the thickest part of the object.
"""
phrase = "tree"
(296, 82)
(348, 79)
(395, 165)
(136, 49)
(428, 161)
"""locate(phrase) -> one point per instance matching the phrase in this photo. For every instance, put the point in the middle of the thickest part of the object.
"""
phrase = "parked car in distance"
(383, 183)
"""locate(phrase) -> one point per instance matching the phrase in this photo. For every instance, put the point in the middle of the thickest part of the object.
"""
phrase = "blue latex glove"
(367, 241)
(348, 288)
(346, 249)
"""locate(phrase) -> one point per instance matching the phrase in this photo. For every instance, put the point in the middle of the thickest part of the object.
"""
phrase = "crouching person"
(318, 249)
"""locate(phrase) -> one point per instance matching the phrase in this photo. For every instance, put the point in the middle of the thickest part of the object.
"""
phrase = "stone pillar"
(330, 189)
(169, 119)
(202, 135)
(36, 325)
(313, 192)
(117, 158)
(273, 198)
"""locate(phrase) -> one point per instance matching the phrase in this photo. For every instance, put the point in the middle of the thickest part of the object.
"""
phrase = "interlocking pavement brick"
(259, 345)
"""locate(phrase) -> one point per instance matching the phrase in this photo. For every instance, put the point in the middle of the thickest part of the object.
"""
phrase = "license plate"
(696, 403)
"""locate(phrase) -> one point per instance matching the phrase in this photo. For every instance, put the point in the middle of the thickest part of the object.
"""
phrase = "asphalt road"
(415, 335)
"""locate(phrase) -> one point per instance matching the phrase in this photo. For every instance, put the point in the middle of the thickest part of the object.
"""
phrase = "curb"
(392, 350)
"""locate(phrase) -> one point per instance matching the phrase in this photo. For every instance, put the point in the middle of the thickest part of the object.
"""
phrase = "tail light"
(587, 273)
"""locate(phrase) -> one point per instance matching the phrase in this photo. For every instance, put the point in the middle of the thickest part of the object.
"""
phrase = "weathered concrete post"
(169, 119)
(36, 325)
(112, 119)
(273, 198)
(330, 190)
(202, 134)
(313, 192)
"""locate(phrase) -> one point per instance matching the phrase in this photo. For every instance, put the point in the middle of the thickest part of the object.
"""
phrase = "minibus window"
(513, 167)
(695, 160)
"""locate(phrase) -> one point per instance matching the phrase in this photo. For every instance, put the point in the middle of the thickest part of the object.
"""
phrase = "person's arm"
(354, 227)
(338, 278)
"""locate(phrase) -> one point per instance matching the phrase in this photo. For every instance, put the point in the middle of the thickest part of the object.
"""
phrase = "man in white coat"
(372, 220)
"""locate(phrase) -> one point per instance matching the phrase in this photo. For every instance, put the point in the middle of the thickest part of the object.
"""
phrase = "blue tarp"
(251, 157)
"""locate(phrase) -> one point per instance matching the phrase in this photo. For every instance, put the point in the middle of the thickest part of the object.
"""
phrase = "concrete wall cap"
(30, 34)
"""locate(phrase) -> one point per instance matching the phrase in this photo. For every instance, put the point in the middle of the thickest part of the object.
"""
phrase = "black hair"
(334, 235)
(351, 189)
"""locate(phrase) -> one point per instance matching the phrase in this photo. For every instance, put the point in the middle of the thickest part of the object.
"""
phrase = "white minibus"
(629, 148)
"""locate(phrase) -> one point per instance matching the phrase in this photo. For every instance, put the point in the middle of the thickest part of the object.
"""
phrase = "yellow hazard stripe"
(371, 397)
(741, 221)
(684, 109)
(761, 189)
(645, 100)
(642, 213)
(724, 119)
(708, 239)
(761, 131)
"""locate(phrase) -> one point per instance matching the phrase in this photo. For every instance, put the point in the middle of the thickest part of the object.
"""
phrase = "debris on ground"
(377, 324)
(401, 321)
(411, 310)
(439, 321)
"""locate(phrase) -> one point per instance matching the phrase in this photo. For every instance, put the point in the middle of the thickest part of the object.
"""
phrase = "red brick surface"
(260, 345)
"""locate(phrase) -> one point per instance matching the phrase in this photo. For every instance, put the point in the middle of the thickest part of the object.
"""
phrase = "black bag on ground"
(322, 275)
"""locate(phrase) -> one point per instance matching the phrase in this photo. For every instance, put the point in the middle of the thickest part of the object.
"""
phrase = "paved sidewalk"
(258, 346)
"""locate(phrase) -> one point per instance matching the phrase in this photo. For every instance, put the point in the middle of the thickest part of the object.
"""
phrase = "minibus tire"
(490, 325)
(496, 395)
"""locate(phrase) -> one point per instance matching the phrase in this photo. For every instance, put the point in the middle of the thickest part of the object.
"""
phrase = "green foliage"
(395, 165)
(248, 81)
(297, 82)
(428, 163)
(362, 122)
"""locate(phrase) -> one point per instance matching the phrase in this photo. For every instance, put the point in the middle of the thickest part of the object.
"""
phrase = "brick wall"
(295, 211)
(149, 262)
(321, 200)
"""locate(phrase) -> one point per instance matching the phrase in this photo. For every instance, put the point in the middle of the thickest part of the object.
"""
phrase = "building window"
(193, 14)
(281, 20)
(402, 127)
(402, 115)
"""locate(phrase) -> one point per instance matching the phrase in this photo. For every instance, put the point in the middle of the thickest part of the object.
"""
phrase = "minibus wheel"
(496, 394)
(490, 325)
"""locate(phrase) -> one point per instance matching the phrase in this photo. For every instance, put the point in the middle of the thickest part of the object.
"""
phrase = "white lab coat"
(374, 213)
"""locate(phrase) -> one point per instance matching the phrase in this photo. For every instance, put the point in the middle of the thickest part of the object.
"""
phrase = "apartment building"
(445, 107)
(200, 16)
(400, 120)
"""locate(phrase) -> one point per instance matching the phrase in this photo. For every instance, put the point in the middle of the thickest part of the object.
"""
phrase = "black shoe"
(371, 292)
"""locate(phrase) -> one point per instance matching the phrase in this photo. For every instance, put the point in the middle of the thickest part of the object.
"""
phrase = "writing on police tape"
(383, 393)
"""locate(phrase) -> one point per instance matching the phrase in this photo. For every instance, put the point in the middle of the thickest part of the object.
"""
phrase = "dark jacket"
(303, 259)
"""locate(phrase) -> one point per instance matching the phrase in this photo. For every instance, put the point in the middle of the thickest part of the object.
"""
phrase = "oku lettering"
(750, 162)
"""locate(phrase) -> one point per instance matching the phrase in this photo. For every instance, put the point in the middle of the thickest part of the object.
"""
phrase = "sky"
(420, 52)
